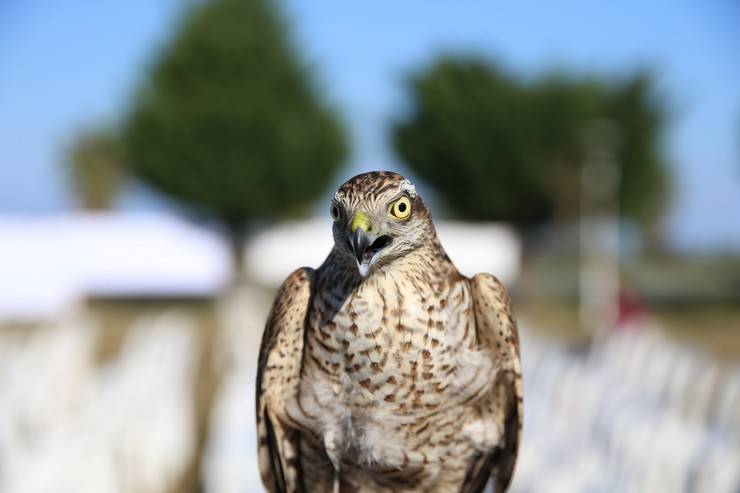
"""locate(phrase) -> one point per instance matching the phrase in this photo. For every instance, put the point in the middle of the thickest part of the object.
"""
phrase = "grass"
(711, 328)
(695, 299)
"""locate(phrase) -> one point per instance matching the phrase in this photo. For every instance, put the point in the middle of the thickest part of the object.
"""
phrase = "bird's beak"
(365, 244)
(360, 241)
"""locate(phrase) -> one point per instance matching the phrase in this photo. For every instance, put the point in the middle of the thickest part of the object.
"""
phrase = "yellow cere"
(361, 221)
(401, 208)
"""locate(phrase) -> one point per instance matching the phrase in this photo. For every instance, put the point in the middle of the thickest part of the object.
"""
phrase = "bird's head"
(378, 217)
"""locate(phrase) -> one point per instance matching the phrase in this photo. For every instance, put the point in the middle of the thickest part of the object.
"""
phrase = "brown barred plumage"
(406, 378)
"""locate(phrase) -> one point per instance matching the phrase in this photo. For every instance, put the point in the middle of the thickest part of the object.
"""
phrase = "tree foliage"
(502, 149)
(230, 120)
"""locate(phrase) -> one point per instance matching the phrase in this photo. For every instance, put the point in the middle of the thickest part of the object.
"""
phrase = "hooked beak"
(360, 242)
(365, 246)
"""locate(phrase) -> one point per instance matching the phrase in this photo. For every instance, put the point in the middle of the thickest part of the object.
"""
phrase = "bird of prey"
(385, 369)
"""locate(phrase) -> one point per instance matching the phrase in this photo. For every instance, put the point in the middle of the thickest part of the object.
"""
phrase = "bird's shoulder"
(292, 297)
(283, 333)
(297, 285)
(494, 311)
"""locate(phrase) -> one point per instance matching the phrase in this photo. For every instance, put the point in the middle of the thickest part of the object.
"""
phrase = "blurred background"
(164, 165)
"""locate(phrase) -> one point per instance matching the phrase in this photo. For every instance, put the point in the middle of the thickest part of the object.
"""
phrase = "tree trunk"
(237, 235)
(653, 239)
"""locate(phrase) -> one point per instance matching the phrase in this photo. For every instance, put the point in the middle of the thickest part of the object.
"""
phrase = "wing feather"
(497, 330)
(278, 375)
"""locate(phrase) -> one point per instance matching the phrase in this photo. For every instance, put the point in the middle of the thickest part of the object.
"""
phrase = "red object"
(629, 308)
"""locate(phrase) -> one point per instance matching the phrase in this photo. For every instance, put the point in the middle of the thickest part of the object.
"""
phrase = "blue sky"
(66, 65)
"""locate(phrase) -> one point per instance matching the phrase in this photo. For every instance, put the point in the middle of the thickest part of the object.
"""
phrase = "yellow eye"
(336, 214)
(401, 208)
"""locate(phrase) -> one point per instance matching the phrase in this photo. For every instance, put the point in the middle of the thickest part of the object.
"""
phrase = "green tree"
(500, 148)
(467, 136)
(230, 121)
(96, 169)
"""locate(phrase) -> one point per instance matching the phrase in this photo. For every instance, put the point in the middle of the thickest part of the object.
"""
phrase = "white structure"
(127, 426)
(49, 262)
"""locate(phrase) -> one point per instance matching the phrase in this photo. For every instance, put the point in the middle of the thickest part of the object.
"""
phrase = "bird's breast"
(394, 355)
(395, 341)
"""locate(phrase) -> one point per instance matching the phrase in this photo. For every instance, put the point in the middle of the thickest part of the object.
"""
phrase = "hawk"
(385, 369)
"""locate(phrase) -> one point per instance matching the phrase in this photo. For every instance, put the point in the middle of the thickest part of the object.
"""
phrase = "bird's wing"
(497, 332)
(278, 376)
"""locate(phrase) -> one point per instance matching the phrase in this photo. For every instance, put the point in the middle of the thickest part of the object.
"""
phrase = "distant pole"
(599, 229)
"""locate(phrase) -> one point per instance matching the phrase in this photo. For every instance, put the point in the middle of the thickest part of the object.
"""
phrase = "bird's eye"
(336, 214)
(401, 208)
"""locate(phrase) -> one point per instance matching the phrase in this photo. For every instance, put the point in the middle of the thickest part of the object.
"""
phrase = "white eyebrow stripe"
(408, 187)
